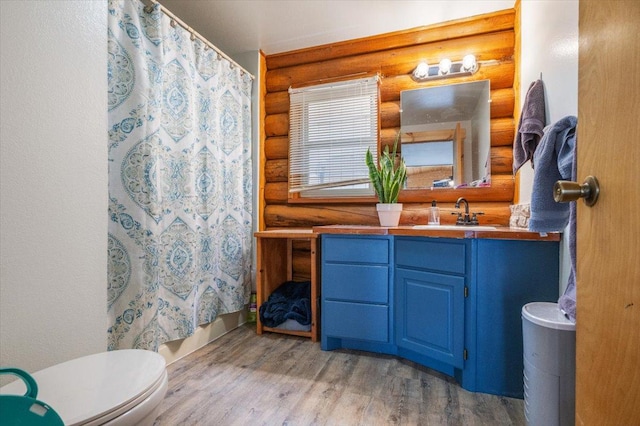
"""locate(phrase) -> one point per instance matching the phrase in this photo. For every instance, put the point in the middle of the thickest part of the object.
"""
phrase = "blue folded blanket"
(292, 300)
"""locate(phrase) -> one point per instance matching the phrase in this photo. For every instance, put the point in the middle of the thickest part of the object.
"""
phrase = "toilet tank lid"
(92, 386)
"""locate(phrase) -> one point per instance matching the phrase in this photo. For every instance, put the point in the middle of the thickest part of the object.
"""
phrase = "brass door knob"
(565, 191)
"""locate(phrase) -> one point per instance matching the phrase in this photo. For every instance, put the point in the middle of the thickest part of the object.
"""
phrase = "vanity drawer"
(355, 249)
(355, 321)
(358, 283)
(433, 255)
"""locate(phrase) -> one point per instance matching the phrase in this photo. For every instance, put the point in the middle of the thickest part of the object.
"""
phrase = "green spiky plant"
(389, 177)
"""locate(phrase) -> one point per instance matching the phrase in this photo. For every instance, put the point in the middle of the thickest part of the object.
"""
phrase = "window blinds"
(331, 126)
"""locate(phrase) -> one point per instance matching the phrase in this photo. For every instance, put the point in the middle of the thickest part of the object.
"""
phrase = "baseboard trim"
(203, 335)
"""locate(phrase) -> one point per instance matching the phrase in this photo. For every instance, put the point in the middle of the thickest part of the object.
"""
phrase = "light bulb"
(445, 66)
(421, 71)
(469, 63)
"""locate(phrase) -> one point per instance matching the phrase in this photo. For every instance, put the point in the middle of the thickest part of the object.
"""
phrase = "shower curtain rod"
(148, 6)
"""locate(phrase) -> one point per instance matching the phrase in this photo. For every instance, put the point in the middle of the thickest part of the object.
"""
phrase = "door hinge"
(465, 354)
(466, 291)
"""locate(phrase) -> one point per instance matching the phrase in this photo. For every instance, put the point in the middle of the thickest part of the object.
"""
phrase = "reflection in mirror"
(446, 138)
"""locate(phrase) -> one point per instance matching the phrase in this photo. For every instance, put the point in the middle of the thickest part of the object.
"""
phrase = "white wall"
(549, 45)
(53, 182)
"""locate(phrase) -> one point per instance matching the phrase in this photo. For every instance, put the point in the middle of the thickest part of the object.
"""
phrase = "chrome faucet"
(466, 219)
(466, 205)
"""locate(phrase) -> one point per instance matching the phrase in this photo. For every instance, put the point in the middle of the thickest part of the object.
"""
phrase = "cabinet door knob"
(565, 191)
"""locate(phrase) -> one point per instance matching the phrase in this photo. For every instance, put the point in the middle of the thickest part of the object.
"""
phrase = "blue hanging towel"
(553, 161)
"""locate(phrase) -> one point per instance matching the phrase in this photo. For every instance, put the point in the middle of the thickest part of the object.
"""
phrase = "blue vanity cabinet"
(451, 304)
(356, 297)
(430, 287)
(507, 274)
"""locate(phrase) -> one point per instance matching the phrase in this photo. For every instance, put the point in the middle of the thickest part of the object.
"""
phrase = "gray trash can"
(549, 343)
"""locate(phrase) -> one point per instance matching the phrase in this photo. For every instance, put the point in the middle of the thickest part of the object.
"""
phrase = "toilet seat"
(101, 388)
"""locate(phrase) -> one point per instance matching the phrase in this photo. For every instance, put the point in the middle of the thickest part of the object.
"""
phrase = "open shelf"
(275, 266)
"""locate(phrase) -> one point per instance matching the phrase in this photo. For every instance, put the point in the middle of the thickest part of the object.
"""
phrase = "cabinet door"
(430, 314)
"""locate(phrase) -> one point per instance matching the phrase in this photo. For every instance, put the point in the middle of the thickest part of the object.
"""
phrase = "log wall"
(394, 56)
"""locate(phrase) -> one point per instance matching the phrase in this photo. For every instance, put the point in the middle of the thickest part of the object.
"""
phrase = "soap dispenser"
(434, 214)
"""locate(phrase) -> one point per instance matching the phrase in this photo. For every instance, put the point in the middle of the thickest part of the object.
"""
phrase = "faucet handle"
(459, 219)
(474, 217)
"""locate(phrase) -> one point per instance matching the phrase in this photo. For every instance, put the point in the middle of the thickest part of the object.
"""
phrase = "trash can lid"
(547, 314)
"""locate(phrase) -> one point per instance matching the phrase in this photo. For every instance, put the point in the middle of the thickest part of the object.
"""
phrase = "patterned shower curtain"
(179, 180)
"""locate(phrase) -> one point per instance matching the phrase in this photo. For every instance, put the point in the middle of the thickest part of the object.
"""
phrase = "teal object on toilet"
(26, 409)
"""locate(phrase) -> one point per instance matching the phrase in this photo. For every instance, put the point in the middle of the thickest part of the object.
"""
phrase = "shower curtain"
(179, 237)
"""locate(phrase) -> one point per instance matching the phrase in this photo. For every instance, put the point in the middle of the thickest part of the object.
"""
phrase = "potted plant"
(387, 179)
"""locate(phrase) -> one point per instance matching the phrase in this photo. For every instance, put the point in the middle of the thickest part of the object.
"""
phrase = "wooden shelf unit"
(275, 266)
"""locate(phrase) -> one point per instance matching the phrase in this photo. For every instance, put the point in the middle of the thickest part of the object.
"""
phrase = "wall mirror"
(446, 135)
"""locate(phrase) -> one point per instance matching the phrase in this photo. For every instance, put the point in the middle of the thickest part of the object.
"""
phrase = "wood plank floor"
(273, 379)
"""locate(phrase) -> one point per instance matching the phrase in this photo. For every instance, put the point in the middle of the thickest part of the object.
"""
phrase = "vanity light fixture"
(446, 68)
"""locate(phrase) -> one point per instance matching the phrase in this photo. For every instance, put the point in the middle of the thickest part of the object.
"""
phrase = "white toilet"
(123, 387)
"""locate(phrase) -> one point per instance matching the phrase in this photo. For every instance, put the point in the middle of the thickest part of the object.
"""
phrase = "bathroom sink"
(455, 227)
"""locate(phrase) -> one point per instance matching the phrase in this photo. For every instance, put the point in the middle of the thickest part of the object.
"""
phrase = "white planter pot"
(389, 214)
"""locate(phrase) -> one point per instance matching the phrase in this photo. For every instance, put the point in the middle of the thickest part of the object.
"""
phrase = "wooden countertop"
(501, 232)
(293, 233)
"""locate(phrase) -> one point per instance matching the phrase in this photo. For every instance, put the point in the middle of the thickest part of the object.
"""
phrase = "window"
(331, 127)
